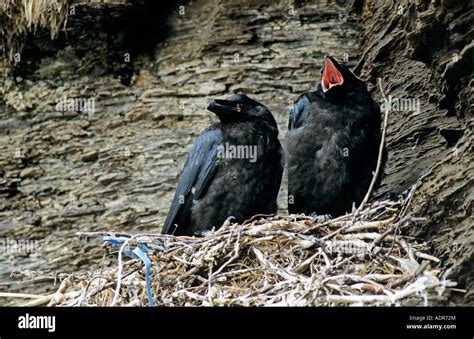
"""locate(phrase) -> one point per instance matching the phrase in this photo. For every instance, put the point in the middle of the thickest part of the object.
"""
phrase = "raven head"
(338, 79)
(239, 107)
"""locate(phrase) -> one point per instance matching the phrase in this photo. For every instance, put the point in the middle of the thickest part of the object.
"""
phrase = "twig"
(22, 295)
(387, 232)
(409, 277)
(234, 256)
(120, 269)
(381, 149)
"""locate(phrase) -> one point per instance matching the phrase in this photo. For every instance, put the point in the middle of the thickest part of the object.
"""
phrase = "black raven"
(234, 169)
(332, 144)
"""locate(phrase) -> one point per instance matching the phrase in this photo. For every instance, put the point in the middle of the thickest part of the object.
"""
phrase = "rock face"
(111, 160)
(95, 125)
(423, 52)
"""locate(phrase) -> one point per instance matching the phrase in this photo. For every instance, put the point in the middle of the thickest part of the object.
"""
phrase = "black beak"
(222, 107)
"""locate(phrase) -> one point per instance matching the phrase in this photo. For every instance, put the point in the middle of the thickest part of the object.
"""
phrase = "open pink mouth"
(331, 76)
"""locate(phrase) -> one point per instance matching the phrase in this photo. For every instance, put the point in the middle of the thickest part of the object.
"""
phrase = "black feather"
(214, 186)
(299, 112)
(198, 171)
(332, 147)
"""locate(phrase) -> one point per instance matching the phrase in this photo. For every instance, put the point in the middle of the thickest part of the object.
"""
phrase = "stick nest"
(357, 259)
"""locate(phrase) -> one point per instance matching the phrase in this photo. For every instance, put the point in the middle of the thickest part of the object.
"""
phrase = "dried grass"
(20, 17)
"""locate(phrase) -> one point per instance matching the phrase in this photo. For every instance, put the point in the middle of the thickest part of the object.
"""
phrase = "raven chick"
(332, 144)
(234, 169)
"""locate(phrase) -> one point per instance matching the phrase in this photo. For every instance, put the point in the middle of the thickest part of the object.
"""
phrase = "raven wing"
(299, 112)
(196, 176)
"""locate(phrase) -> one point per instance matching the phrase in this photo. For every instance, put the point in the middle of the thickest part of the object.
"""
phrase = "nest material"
(356, 259)
(20, 17)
